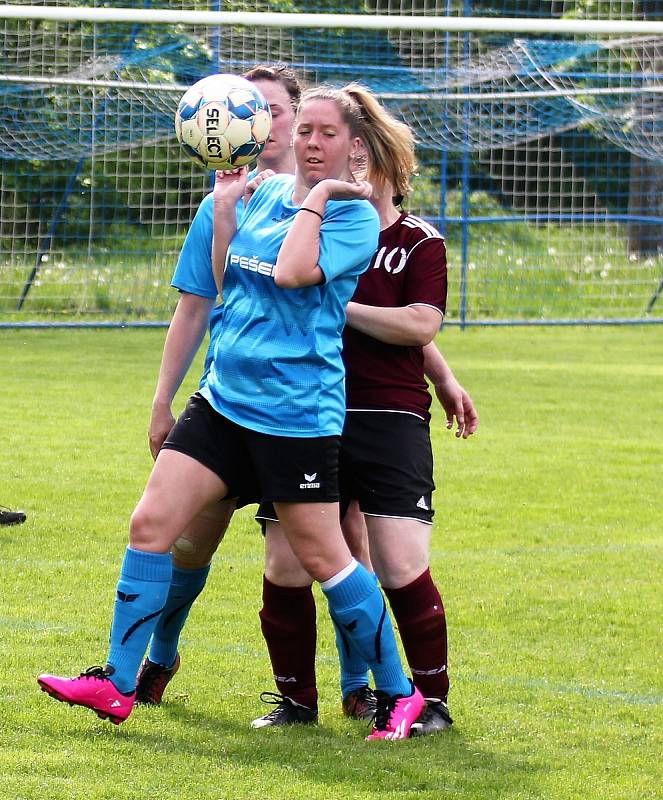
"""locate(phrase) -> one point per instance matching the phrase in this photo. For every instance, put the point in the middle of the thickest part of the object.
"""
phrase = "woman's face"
(322, 142)
(283, 118)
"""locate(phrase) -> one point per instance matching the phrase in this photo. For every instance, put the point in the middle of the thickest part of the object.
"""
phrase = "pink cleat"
(395, 714)
(91, 689)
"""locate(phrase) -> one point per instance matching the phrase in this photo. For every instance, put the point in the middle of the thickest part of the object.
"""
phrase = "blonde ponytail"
(389, 143)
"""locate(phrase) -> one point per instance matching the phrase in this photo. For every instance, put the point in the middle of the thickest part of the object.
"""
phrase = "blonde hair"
(389, 143)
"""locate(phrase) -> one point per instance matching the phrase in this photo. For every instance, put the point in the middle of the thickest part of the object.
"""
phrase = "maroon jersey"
(409, 268)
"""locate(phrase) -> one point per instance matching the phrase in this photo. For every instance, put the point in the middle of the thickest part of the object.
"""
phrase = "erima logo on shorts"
(310, 482)
(253, 264)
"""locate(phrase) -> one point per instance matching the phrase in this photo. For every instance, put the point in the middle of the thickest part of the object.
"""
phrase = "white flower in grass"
(500, 252)
(552, 251)
(519, 262)
(472, 265)
(588, 259)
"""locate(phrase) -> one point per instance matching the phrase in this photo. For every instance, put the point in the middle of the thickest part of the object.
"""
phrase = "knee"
(145, 529)
(394, 573)
(283, 568)
(191, 554)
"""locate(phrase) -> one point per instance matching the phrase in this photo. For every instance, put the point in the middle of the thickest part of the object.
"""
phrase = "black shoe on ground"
(360, 703)
(8, 517)
(152, 681)
(434, 718)
(286, 712)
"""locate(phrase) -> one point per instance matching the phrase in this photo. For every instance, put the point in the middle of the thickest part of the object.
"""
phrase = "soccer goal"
(540, 145)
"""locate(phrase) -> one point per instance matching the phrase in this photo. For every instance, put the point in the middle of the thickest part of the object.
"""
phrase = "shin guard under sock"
(185, 586)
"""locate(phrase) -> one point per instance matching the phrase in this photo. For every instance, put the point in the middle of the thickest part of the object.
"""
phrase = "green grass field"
(547, 549)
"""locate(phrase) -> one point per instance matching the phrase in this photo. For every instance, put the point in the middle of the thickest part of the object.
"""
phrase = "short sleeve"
(348, 237)
(193, 272)
(426, 275)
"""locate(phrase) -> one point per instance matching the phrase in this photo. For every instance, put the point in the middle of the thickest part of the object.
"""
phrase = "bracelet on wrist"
(311, 211)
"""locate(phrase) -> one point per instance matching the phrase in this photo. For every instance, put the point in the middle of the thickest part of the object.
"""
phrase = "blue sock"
(354, 668)
(141, 595)
(185, 586)
(358, 609)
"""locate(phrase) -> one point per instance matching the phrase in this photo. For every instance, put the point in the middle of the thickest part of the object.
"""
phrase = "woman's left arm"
(453, 398)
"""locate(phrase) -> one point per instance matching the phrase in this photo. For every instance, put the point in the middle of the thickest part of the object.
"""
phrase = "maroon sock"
(419, 615)
(287, 619)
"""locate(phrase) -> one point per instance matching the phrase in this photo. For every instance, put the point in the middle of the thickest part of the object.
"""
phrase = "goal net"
(540, 151)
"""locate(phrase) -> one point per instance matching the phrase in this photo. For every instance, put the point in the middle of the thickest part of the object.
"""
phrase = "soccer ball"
(223, 122)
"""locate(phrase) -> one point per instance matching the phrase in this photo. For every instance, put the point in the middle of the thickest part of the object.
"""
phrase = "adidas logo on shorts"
(421, 503)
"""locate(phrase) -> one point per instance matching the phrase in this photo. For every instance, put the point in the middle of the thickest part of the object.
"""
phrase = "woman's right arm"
(185, 333)
(229, 186)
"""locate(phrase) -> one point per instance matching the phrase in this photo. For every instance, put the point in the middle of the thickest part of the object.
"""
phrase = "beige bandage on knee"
(193, 555)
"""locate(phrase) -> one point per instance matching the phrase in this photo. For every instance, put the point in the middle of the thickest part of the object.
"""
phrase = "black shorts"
(386, 464)
(257, 465)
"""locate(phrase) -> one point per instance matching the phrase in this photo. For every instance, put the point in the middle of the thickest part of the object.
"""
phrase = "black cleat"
(360, 703)
(287, 712)
(434, 718)
(152, 681)
(8, 517)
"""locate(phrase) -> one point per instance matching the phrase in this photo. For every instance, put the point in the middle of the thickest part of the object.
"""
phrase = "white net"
(541, 158)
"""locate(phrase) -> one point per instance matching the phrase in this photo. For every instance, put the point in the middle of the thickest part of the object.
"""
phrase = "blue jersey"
(277, 364)
(193, 273)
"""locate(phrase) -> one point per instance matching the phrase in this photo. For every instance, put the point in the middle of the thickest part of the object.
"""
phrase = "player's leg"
(288, 624)
(355, 534)
(179, 487)
(391, 464)
(400, 552)
(301, 477)
(192, 555)
(357, 608)
(358, 699)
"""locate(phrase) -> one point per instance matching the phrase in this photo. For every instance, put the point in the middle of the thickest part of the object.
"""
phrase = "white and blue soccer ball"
(223, 122)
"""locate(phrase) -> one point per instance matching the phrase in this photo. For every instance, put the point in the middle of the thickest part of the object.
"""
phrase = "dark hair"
(280, 73)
